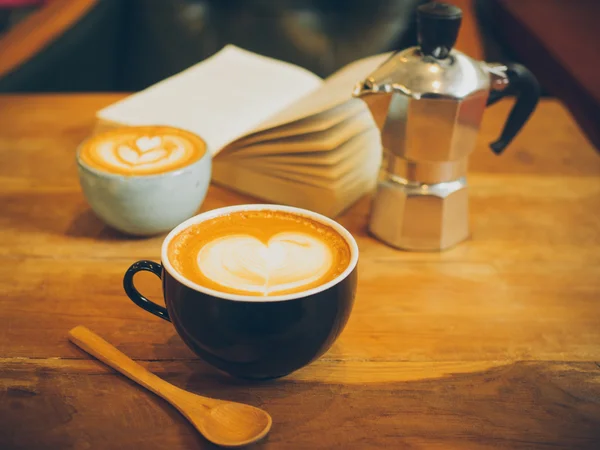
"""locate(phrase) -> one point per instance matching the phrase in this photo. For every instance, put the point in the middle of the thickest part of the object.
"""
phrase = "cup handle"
(135, 295)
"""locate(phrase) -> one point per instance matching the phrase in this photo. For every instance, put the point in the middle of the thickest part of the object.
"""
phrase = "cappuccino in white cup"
(144, 180)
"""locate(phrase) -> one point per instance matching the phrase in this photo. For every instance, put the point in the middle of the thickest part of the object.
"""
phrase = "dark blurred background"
(127, 45)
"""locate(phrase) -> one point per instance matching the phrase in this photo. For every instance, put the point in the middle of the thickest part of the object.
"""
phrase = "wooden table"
(494, 344)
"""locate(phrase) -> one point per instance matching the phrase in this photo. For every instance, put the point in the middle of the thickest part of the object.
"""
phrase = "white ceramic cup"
(146, 205)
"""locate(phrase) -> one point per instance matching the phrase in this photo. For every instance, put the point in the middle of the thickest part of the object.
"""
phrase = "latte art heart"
(259, 253)
(289, 260)
(142, 150)
(131, 157)
(146, 143)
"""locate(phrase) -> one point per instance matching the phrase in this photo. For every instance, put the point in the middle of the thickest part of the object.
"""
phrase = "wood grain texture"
(492, 344)
(80, 404)
(228, 424)
(404, 311)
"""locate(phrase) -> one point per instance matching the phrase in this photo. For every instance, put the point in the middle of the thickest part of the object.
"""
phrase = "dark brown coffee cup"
(248, 336)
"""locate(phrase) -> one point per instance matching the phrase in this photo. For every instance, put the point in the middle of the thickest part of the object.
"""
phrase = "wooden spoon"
(223, 423)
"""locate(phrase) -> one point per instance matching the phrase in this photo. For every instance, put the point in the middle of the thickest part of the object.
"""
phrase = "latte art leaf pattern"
(290, 260)
(142, 150)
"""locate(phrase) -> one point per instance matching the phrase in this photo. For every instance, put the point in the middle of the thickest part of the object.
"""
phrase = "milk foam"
(290, 260)
(133, 151)
(127, 158)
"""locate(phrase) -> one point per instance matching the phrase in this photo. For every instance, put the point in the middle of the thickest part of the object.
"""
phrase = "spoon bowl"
(232, 424)
(224, 423)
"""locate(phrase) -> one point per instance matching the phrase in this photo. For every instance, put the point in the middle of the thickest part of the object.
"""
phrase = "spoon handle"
(108, 354)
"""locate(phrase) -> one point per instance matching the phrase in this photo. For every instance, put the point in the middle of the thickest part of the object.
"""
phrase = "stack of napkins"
(276, 131)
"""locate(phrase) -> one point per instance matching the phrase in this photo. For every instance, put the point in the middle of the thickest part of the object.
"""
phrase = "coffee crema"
(259, 253)
(144, 150)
